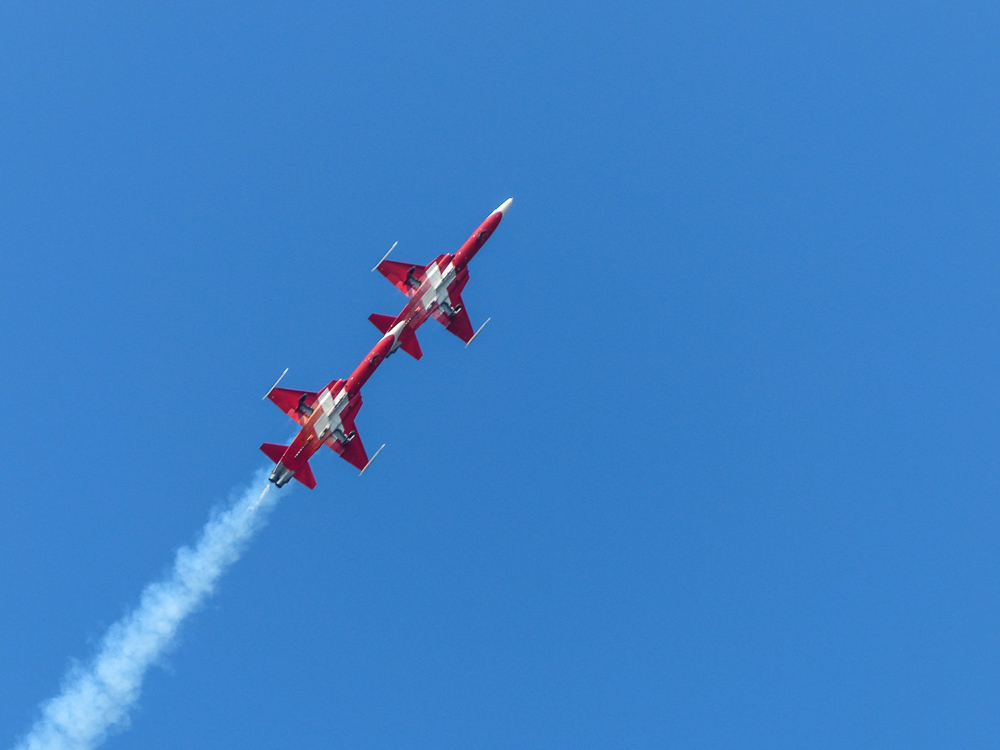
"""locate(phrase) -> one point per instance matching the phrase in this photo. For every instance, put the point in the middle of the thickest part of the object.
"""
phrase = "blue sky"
(720, 473)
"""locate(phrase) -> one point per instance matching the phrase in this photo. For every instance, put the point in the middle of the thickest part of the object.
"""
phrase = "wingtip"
(275, 384)
(370, 460)
(504, 207)
(375, 268)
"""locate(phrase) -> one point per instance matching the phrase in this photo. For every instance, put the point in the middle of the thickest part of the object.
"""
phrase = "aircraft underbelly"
(438, 283)
(330, 411)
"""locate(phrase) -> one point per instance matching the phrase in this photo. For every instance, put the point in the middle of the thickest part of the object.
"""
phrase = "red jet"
(327, 417)
(435, 290)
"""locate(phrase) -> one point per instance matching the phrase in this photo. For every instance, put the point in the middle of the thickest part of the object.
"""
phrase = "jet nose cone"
(502, 208)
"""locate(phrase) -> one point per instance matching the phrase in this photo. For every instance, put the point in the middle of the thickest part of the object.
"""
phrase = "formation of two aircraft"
(327, 417)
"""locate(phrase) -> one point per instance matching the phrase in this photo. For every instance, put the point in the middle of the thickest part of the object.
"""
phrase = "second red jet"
(327, 417)
(435, 290)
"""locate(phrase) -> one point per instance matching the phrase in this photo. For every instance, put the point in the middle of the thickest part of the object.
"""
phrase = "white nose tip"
(502, 208)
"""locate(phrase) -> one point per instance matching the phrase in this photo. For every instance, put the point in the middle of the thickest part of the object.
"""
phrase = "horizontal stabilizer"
(305, 475)
(411, 346)
(382, 322)
(273, 451)
(406, 277)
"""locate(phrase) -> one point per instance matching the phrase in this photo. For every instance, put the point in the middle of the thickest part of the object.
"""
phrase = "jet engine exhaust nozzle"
(281, 475)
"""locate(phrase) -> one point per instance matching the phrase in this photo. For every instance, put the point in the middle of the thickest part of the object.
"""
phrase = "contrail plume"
(96, 697)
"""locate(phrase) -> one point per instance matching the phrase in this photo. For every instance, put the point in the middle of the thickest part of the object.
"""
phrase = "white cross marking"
(332, 407)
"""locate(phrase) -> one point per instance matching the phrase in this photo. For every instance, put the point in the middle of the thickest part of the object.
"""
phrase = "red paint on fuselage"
(472, 245)
(369, 364)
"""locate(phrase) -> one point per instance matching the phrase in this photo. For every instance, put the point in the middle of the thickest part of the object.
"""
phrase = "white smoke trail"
(96, 698)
